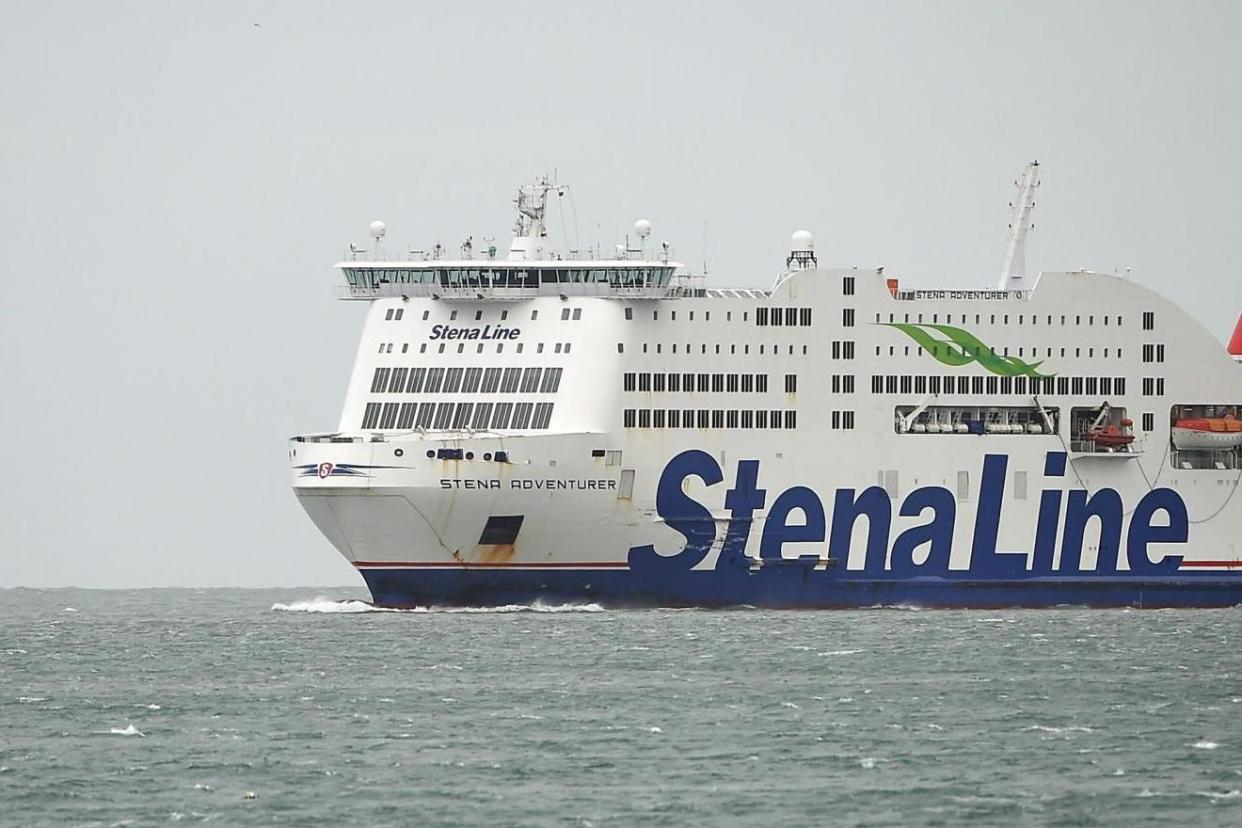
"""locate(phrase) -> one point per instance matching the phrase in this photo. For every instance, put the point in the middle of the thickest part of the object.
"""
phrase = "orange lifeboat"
(1208, 433)
(1111, 436)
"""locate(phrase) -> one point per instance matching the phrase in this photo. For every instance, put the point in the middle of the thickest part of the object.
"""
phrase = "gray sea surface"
(241, 707)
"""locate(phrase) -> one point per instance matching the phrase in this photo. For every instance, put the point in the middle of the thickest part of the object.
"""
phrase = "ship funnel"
(1235, 343)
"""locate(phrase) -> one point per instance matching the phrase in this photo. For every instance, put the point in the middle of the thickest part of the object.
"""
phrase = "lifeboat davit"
(1208, 433)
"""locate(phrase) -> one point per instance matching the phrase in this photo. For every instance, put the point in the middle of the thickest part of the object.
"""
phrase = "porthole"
(430, 454)
(398, 452)
(470, 455)
(487, 455)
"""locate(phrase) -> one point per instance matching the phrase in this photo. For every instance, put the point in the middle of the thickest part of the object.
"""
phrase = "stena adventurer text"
(566, 426)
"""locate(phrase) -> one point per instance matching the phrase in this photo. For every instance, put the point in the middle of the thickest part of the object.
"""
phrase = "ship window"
(500, 346)
(761, 383)
(905, 384)
(534, 315)
(482, 416)
(1119, 385)
(426, 314)
(629, 381)
(702, 418)
(629, 417)
(470, 385)
(847, 286)
(543, 415)
(441, 348)
(422, 349)
(530, 380)
(1160, 353)
(674, 382)
(847, 419)
(452, 380)
(717, 383)
(644, 418)
(564, 314)
(761, 419)
(397, 384)
(1076, 386)
(512, 378)
(791, 419)
(444, 415)
(551, 381)
(992, 384)
(731, 383)
(388, 315)
(501, 415)
(452, 315)
(933, 384)
(426, 414)
(629, 313)
(890, 384)
(774, 419)
(504, 314)
(703, 382)
(558, 347)
(491, 380)
(1149, 422)
(976, 385)
(731, 418)
(519, 347)
(620, 347)
(371, 415)
(461, 415)
(408, 410)
(748, 383)
(1006, 385)
(963, 485)
(644, 381)
(847, 317)
(687, 418)
(657, 382)
(1019, 385)
(435, 379)
(1092, 386)
(1106, 386)
(1160, 386)
(761, 316)
(657, 418)
(405, 346)
(717, 418)
(791, 317)
(379, 380)
(521, 415)
(836, 349)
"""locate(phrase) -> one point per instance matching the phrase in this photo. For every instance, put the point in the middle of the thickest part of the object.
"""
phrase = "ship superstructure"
(590, 426)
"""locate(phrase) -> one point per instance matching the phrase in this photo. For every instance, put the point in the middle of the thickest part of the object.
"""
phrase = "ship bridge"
(516, 280)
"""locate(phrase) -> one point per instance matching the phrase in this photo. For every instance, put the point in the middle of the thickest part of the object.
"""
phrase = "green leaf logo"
(956, 347)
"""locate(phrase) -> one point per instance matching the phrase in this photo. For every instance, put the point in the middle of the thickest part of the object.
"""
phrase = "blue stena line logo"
(485, 332)
(1159, 517)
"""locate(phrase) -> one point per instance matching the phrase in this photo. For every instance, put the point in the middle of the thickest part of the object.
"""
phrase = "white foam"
(790, 705)
(328, 605)
(335, 606)
(1044, 729)
(128, 730)
(868, 762)
(153, 707)
(655, 730)
(840, 652)
(1204, 744)
(31, 699)
(12, 651)
(69, 609)
(1214, 795)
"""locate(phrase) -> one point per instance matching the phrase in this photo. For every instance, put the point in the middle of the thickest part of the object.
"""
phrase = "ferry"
(557, 425)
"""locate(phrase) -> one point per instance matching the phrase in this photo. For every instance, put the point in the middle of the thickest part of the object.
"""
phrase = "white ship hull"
(832, 442)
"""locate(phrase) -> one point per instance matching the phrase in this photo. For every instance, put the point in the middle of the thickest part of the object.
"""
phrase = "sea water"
(308, 706)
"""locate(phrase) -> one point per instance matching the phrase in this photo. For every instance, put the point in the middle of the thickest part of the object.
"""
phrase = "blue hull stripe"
(791, 587)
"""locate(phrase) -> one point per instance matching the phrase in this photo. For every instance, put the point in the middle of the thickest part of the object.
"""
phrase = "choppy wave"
(128, 730)
(335, 606)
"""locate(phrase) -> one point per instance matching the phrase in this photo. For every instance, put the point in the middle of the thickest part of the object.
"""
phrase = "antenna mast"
(1013, 266)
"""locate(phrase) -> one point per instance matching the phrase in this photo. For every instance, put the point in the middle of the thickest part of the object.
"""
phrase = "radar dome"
(802, 242)
(378, 229)
(643, 228)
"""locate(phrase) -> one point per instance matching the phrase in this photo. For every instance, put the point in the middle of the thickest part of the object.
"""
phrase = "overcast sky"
(177, 180)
